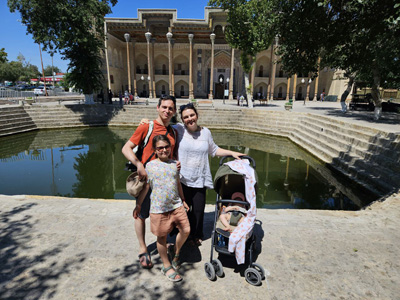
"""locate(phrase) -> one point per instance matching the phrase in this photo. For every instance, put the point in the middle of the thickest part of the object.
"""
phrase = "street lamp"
(127, 37)
(221, 81)
(148, 80)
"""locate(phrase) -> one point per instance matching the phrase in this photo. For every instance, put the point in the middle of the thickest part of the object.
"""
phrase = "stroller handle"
(252, 161)
(231, 201)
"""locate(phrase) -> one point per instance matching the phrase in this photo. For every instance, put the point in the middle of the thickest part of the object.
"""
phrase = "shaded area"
(25, 272)
(127, 283)
(97, 114)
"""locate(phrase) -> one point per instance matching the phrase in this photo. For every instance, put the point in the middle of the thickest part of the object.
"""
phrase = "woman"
(195, 144)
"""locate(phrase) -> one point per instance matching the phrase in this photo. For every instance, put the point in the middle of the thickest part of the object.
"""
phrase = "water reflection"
(88, 163)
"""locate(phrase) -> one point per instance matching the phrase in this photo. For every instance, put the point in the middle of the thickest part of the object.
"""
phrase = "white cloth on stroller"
(237, 239)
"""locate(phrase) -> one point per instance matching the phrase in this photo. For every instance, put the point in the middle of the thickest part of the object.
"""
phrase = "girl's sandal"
(172, 276)
(176, 264)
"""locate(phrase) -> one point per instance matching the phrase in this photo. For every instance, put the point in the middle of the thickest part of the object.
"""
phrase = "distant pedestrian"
(110, 95)
(343, 102)
(120, 98)
(322, 96)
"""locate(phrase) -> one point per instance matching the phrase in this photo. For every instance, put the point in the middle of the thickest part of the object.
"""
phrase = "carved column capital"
(148, 36)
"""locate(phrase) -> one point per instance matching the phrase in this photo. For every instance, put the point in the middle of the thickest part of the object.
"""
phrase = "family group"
(175, 169)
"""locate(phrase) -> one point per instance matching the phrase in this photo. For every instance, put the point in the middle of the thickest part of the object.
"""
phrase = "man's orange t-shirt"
(140, 134)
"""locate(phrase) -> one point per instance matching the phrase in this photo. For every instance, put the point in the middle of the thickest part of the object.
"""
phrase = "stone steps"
(388, 156)
(377, 187)
(15, 120)
(367, 163)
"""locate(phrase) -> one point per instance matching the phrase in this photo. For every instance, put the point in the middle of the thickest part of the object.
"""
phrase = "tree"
(48, 70)
(11, 71)
(250, 31)
(75, 29)
(3, 55)
(361, 37)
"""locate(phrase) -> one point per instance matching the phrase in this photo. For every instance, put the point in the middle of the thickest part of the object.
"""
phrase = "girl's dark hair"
(161, 137)
(182, 108)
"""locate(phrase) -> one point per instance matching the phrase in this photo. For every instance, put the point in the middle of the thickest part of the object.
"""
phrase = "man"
(166, 109)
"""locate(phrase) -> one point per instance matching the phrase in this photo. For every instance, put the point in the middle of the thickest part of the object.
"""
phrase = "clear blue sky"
(14, 39)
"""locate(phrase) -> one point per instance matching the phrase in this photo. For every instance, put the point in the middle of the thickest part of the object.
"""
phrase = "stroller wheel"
(219, 269)
(252, 276)
(260, 269)
(210, 272)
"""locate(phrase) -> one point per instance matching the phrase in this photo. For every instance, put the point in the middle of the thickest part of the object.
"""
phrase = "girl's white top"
(193, 151)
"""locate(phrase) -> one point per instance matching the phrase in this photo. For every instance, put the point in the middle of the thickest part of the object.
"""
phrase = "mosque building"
(158, 54)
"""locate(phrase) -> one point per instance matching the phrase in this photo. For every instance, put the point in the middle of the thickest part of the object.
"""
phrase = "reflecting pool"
(88, 163)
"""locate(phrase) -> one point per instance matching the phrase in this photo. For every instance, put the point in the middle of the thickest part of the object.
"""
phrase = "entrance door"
(219, 91)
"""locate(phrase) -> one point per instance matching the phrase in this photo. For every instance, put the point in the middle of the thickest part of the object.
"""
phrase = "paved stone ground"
(68, 248)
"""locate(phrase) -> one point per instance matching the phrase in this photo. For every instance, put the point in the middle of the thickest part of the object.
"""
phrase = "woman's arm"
(181, 195)
(225, 152)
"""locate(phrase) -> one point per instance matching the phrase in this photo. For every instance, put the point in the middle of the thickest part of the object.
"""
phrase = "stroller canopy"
(228, 181)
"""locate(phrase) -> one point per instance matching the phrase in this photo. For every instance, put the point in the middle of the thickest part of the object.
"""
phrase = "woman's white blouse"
(193, 151)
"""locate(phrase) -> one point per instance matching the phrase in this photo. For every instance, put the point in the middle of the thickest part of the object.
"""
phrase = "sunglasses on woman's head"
(183, 107)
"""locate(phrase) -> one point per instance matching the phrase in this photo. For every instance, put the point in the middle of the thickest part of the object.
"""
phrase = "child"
(167, 210)
(234, 213)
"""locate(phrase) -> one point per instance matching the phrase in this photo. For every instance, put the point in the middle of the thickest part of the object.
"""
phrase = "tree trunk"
(376, 97)
(348, 90)
(248, 90)
(89, 99)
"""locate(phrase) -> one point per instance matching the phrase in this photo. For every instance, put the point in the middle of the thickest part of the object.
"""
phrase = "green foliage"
(361, 37)
(3, 55)
(48, 70)
(251, 27)
(75, 29)
(19, 70)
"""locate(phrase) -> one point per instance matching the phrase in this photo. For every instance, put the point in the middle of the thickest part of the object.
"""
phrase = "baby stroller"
(228, 182)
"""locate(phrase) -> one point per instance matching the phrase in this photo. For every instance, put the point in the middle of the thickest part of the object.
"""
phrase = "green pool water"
(88, 163)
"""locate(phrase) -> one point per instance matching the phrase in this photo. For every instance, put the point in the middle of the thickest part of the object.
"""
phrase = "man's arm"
(127, 151)
(139, 201)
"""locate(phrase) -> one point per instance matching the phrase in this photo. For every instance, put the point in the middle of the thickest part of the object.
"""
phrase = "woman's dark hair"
(161, 137)
(182, 108)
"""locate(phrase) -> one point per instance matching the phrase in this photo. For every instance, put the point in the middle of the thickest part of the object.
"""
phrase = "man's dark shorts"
(145, 209)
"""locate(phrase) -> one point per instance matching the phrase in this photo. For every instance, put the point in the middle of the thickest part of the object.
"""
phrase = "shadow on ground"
(25, 272)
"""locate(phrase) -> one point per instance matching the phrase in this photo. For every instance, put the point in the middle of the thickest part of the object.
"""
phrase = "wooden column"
(294, 87)
(127, 39)
(191, 95)
(107, 62)
(252, 76)
(288, 89)
(231, 74)
(270, 73)
(211, 95)
(169, 37)
(308, 88)
(134, 68)
(148, 38)
(273, 69)
(316, 81)
(153, 77)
